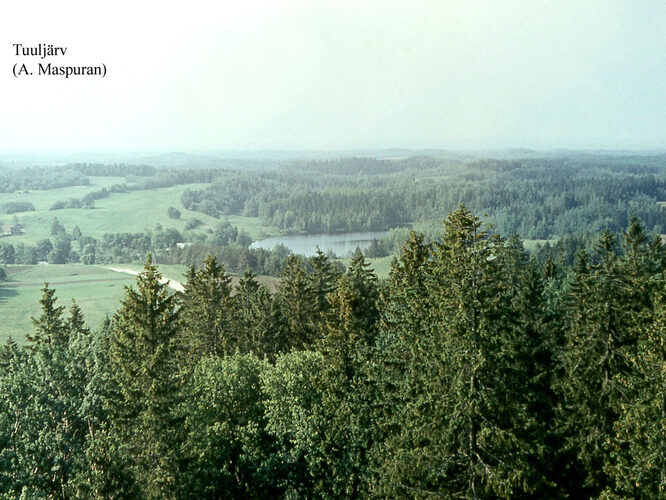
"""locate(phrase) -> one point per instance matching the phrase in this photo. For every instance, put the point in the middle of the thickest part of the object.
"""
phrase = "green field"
(96, 290)
(381, 265)
(177, 273)
(136, 211)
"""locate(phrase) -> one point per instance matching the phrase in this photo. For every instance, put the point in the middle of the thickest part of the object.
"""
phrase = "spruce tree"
(142, 357)
(461, 415)
(207, 312)
(257, 319)
(363, 286)
(322, 276)
(297, 304)
(600, 341)
(51, 404)
(638, 468)
(50, 326)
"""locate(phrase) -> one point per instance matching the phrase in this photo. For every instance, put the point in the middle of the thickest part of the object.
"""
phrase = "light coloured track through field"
(175, 285)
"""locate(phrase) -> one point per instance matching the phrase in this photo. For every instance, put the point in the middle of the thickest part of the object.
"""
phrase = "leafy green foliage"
(473, 371)
(226, 445)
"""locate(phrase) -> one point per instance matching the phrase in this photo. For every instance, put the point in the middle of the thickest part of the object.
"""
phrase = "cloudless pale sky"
(293, 75)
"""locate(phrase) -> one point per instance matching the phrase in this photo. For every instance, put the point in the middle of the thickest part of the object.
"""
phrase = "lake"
(342, 244)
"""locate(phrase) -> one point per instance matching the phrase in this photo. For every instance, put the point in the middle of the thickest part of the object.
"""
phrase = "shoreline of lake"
(342, 244)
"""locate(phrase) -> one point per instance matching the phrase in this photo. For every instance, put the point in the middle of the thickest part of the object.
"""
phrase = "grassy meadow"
(381, 265)
(136, 211)
(97, 291)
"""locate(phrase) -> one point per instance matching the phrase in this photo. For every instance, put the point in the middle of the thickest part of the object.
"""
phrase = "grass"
(168, 271)
(177, 273)
(381, 265)
(136, 211)
(96, 290)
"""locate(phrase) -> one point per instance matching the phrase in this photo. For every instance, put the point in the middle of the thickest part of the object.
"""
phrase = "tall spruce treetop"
(606, 305)
(257, 319)
(297, 304)
(50, 327)
(207, 311)
(141, 346)
(363, 285)
(76, 321)
(323, 277)
(144, 366)
(639, 450)
(461, 430)
(403, 300)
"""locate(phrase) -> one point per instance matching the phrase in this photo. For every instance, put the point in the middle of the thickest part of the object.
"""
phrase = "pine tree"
(50, 326)
(142, 358)
(296, 301)
(460, 419)
(207, 312)
(599, 343)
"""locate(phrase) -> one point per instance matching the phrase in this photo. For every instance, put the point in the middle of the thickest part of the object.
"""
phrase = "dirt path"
(175, 285)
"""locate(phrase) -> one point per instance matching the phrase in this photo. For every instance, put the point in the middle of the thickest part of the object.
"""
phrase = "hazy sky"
(338, 75)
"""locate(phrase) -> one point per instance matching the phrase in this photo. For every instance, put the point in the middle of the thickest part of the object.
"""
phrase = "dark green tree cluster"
(42, 178)
(583, 193)
(473, 371)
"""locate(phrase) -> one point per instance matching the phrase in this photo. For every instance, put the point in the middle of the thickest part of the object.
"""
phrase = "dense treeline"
(537, 198)
(77, 174)
(472, 371)
(40, 178)
(168, 245)
(13, 207)
(147, 177)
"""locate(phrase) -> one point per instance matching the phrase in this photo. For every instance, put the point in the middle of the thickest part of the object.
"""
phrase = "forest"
(536, 198)
(475, 370)
(565, 199)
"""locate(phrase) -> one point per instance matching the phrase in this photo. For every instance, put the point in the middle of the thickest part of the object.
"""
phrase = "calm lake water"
(342, 244)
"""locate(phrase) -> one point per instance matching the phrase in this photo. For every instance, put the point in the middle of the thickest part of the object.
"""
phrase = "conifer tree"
(599, 344)
(76, 322)
(50, 405)
(297, 304)
(638, 468)
(257, 320)
(207, 312)
(323, 277)
(345, 437)
(142, 357)
(459, 426)
(50, 327)
(363, 286)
